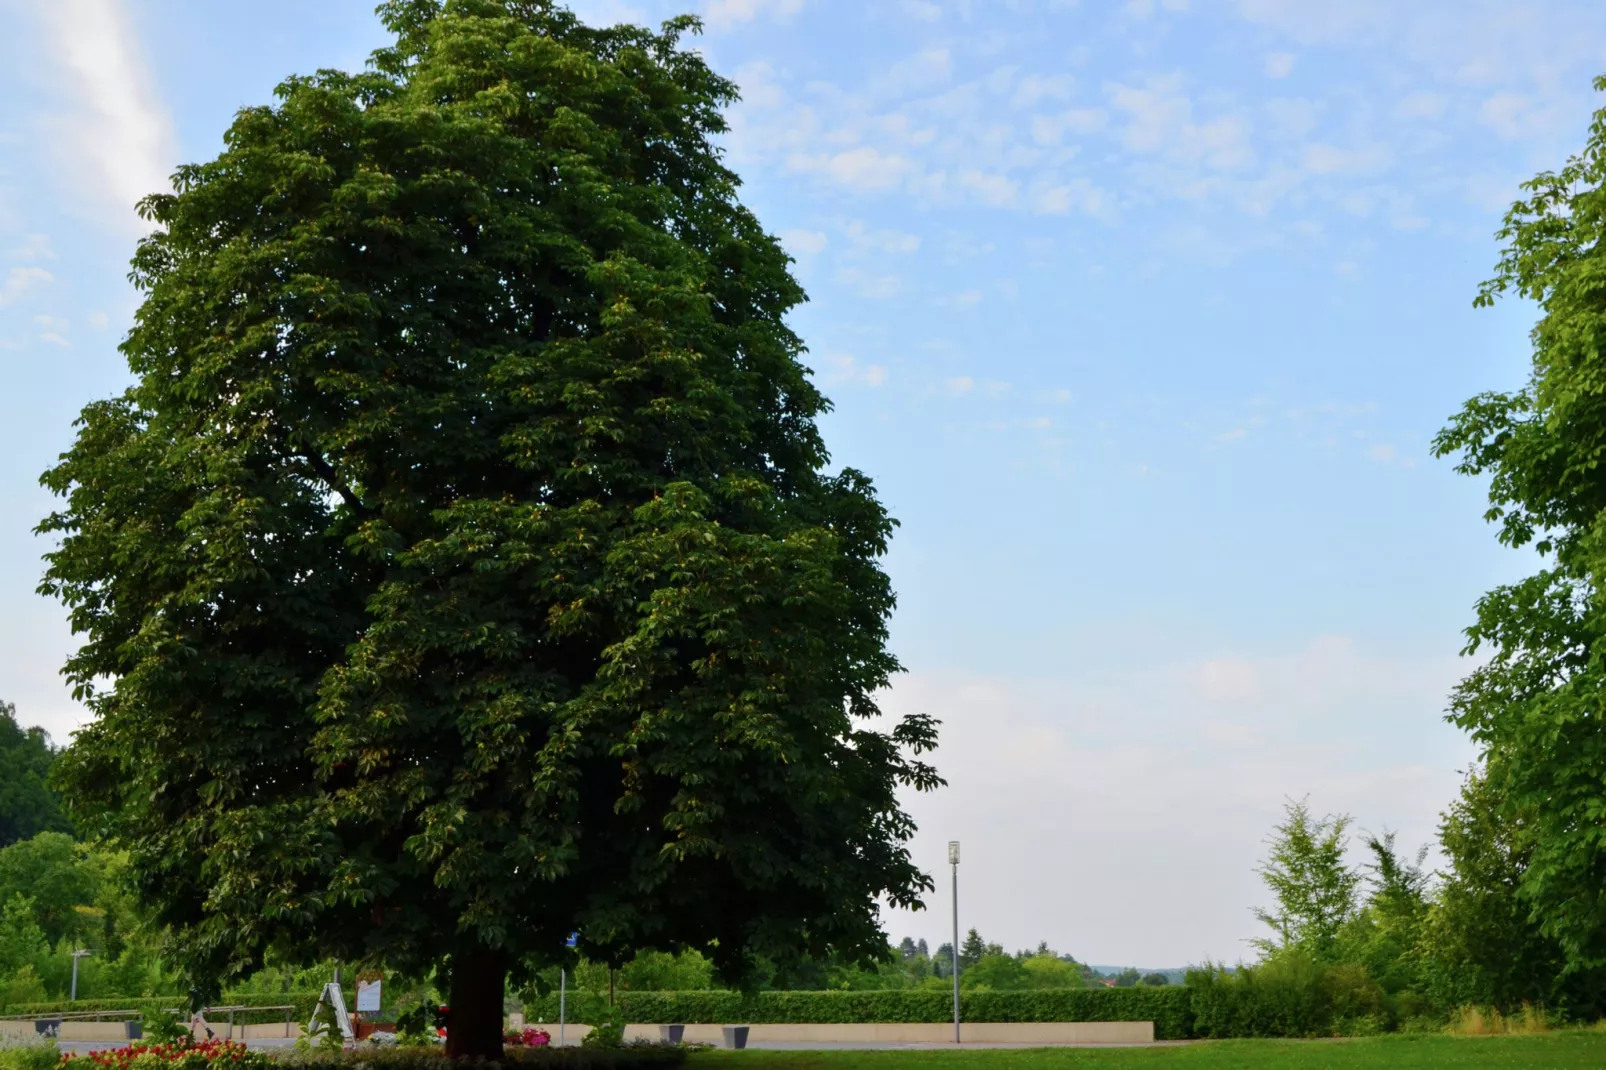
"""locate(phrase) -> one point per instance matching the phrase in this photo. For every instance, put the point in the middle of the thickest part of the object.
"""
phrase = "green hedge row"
(302, 1001)
(1169, 1008)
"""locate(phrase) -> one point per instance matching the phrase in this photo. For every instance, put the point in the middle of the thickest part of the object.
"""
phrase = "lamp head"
(953, 852)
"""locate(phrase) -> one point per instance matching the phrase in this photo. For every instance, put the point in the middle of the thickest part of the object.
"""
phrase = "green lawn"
(1547, 1051)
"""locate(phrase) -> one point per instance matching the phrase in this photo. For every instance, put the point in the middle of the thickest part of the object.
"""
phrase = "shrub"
(27, 1053)
(1289, 995)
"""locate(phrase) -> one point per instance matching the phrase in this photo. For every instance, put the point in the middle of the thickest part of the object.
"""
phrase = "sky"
(1142, 316)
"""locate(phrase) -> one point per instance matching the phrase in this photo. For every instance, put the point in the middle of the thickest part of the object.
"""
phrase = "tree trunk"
(474, 1023)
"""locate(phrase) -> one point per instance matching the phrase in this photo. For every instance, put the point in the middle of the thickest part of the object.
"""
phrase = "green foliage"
(1314, 886)
(463, 559)
(28, 805)
(1290, 994)
(1532, 705)
(1166, 1007)
(608, 1031)
(1480, 946)
(660, 971)
(995, 971)
(59, 877)
(28, 1054)
(164, 1027)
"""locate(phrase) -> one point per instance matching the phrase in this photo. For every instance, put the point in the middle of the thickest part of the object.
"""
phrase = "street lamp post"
(953, 860)
(76, 955)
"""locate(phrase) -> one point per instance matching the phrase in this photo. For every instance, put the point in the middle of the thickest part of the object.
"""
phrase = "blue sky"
(1142, 315)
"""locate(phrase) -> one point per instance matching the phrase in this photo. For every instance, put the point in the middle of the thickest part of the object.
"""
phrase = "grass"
(1553, 1050)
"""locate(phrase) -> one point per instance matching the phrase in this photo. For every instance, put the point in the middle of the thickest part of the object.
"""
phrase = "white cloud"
(33, 247)
(845, 370)
(1382, 453)
(723, 14)
(757, 82)
(878, 287)
(961, 385)
(804, 242)
(923, 70)
(1160, 120)
(861, 168)
(996, 190)
(1310, 21)
(1422, 105)
(1331, 160)
(1280, 64)
(1518, 116)
(967, 299)
(53, 339)
(863, 239)
(1291, 117)
(1036, 87)
(1049, 129)
(1080, 195)
(119, 133)
(20, 281)
(922, 10)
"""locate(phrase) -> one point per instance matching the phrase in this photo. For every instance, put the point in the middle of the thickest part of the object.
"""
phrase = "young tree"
(1533, 706)
(464, 560)
(1314, 886)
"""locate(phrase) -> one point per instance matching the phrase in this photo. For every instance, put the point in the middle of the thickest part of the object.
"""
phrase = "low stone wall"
(903, 1033)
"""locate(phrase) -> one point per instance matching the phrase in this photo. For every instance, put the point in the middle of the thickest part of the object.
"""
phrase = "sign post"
(563, 989)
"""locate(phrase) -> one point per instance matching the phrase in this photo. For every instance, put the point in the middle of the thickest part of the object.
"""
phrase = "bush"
(27, 1054)
(1167, 1007)
(1289, 996)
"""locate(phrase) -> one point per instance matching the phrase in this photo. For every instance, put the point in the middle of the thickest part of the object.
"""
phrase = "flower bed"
(182, 1055)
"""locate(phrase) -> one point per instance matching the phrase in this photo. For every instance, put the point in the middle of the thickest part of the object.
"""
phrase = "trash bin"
(133, 1029)
(736, 1036)
(671, 1034)
(47, 1027)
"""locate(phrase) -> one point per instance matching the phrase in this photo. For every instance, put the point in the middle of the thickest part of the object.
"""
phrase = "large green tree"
(464, 561)
(1535, 706)
(28, 805)
(1480, 944)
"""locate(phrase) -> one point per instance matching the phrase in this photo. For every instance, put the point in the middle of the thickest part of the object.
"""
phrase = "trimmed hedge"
(1169, 1007)
(302, 1001)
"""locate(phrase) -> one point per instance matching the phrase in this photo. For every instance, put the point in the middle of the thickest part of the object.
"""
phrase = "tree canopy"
(28, 805)
(1534, 705)
(464, 560)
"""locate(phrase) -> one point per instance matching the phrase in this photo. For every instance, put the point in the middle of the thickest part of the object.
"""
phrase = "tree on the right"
(1536, 706)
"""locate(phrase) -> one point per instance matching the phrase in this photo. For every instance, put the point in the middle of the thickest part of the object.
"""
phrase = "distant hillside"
(1173, 974)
